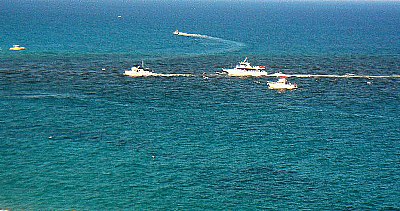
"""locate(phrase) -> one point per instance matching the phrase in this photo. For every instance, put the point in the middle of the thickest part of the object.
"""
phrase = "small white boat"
(244, 69)
(282, 83)
(139, 71)
(17, 48)
(178, 33)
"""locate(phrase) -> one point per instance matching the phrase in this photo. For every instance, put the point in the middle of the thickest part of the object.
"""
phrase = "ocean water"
(77, 134)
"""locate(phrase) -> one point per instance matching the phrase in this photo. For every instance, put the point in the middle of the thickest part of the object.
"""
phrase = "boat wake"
(273, 75)
(178, 33)
(330, 76)
(160, 75)
(231, 45)
(174, 75)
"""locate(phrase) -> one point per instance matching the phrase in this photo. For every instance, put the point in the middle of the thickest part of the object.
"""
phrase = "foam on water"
(232, 45)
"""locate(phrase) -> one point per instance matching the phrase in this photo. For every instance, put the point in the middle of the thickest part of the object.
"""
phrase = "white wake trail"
(233, 45)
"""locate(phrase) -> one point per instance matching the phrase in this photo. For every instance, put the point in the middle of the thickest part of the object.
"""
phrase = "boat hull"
(274, 85)
(245, 73)
(139, 73)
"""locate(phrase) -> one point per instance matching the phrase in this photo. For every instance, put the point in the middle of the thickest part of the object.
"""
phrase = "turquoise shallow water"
(74, 136)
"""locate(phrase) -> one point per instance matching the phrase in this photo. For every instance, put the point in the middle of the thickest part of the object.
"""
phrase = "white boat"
(178, 33)
(282, 83)
(244, 68)
(139, 71)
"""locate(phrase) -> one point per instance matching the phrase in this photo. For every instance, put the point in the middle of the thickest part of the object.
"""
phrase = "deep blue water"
(76, 136)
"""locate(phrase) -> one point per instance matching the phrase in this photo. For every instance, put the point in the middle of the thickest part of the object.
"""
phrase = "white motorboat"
(244, 69)
(282, 83)
(139, 71)
(178, 33)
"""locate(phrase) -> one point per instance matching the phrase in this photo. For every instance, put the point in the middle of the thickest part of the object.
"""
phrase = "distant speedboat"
(139, 71)
(282, 83)
(244, 68)
(178, 33)
(17, 48)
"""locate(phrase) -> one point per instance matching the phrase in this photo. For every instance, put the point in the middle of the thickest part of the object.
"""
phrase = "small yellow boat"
(17, 48)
